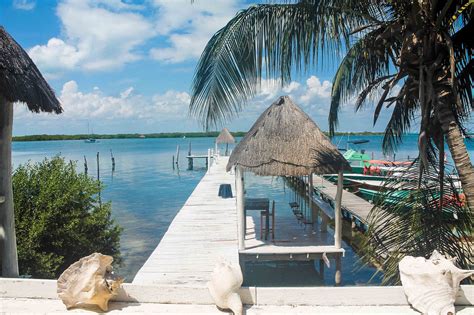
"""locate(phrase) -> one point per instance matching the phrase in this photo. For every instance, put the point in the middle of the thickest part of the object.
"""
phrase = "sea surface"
(146, 193)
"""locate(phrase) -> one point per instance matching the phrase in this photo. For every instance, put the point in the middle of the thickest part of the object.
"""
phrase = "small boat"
(90, 139)
(358, 141)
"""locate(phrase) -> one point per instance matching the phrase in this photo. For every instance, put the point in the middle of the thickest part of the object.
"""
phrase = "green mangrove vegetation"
(59, 219)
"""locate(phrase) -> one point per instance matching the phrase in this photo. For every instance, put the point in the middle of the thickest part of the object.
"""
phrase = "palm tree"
(417, 53)
(20, 81)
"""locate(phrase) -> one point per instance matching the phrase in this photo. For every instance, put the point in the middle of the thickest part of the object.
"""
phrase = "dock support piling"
(338, 226)
(310, 197)
(324, 223)
(338, 274)
(190, 164)
(239, 186)
(337, 212)
(208, 160)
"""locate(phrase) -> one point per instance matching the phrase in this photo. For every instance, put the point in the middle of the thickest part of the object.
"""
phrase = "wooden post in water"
(113, 160)
(338, 225)
(98, 179)
(239, 187)
(177, 156)
(190, 159)
(8, 250)
(208, 160)
(86, 169)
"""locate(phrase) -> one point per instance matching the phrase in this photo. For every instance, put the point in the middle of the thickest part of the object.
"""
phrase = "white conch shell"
(224, 286)
(89, 281)
(431, 284)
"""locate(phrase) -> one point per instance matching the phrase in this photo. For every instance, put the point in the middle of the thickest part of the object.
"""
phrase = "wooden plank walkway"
(352, 203)
(203, 231)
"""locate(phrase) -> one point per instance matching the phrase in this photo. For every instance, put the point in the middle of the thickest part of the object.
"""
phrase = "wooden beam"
(337, 212)
(314, 215)
(8, 251)
(239, 187)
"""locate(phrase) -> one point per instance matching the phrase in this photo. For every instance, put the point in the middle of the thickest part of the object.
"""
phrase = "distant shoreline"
(153, 135)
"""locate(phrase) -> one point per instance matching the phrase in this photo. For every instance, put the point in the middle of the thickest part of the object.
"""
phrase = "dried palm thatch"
(20, 79)
(225, 137)
(286, 141)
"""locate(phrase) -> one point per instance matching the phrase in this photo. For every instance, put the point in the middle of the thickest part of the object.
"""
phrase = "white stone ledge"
(277, 296)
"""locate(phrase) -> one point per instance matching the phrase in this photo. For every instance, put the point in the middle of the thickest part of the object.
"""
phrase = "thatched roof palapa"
(225, 137)
(20, 79)
(286, 141)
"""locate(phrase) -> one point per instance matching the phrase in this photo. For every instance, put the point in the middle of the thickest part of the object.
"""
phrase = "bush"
(58, 218)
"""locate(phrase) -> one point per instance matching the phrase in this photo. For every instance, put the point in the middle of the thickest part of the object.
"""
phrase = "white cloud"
(98, 35)
(24, 4)
(56, 53)
(189, 27)
(316, 89)
(79, 105)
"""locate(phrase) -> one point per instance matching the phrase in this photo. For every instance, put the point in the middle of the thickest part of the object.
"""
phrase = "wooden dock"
(206, 157)
(356, 206)
(203, 232)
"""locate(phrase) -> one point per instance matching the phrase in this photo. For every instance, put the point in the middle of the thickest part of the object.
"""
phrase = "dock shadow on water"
(282, 273)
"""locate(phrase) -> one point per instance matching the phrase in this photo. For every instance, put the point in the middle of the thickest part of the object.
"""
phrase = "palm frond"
(367, 61)
(268, 40)
(400, 121)
(463, 43)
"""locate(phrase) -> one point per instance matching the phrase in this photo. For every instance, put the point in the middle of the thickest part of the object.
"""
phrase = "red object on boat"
(389, 163)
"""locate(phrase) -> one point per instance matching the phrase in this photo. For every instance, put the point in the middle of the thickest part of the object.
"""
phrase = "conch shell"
(431, 284)
(224, 286)
(89, 281)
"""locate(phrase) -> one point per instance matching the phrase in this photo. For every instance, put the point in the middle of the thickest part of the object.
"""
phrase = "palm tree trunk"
(458, 150)
(8, 252)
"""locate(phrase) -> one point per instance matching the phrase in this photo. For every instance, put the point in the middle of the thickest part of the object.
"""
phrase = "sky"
(123, 66)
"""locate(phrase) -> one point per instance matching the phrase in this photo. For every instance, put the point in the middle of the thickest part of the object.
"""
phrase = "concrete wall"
(317, 296)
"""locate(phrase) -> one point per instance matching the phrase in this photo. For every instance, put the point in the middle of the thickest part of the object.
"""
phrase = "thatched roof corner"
(225, 137)
(285, 141)
(20, 79)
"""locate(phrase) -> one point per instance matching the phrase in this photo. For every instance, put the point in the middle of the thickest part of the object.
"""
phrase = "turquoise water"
(146, 194)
